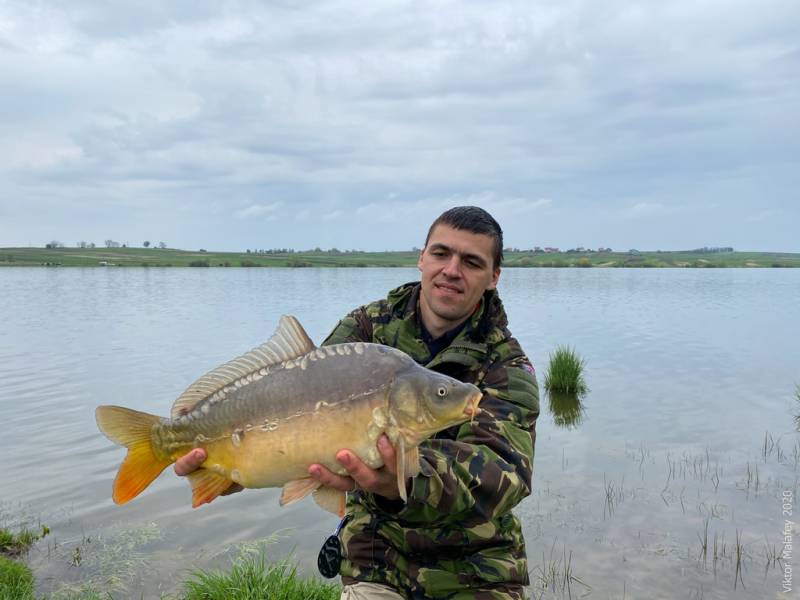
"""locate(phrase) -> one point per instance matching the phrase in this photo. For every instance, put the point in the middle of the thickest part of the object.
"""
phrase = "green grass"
(16, 580)
(565, 372)
(252, 578)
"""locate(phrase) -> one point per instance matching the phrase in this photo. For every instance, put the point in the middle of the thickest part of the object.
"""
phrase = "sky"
(350, 124)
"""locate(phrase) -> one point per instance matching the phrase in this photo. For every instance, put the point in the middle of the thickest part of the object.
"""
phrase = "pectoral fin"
(407, 466)
(411, 460)
(330, 499)
(298, 489)
(207, 485)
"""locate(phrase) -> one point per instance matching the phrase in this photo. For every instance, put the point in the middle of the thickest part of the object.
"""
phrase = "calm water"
(690, 371)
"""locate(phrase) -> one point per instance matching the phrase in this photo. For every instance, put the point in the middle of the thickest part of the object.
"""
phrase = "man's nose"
(453, 267)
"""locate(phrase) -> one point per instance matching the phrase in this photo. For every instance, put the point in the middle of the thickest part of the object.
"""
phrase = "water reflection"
(567, 409)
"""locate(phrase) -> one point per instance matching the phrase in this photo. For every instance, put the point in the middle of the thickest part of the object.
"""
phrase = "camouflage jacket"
(456, 537)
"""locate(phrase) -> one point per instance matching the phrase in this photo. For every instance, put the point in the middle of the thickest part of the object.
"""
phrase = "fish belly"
(270, 456)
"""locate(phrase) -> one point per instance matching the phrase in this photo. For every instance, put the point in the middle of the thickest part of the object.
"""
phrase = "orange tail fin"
(131, 428)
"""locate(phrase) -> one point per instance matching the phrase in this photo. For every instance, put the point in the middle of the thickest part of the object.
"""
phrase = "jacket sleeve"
(487, 469)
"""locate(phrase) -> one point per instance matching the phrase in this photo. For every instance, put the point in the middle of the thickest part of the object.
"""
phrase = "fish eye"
(442, 391)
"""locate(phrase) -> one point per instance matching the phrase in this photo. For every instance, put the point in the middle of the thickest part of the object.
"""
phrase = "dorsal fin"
(289, 341)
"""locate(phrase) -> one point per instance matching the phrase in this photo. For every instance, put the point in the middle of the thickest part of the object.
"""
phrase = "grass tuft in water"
(16, 580)
(253, 578)
(565, 372)
(14, 544)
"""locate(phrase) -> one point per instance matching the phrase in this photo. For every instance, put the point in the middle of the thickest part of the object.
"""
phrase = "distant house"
(551, 250)
(633, 251)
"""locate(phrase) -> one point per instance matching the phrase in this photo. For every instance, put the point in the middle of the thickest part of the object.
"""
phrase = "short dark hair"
(475, 220)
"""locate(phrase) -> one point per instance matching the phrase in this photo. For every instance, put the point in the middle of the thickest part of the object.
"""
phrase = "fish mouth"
(471, 410)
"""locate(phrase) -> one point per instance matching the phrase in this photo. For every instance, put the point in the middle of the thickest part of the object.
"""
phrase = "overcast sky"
(233, 125)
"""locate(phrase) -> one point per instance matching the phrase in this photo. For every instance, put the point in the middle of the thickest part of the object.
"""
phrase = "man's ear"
(495, 279)
(419, 259)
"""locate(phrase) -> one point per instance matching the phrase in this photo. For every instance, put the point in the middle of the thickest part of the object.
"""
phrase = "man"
(455, 537)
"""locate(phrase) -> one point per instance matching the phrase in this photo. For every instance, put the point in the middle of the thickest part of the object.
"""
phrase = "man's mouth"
(449, 289)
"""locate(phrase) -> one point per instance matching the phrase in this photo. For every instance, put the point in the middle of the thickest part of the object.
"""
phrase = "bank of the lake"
(165, 257)
(250, 575)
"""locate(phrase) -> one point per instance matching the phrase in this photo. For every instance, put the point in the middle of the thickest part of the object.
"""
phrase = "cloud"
(646, 209)
(259, 210)
(764, 215)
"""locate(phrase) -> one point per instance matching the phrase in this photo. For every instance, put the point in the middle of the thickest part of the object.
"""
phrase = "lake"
(681, 454)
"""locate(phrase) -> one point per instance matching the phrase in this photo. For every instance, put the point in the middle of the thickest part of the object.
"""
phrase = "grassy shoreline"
(157, 257)
(250, 577)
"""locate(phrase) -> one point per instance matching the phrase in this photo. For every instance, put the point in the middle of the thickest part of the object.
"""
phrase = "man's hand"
(382, 482)
(188, 463)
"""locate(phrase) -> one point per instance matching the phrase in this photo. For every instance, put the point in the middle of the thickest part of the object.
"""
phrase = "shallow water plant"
(565, 372)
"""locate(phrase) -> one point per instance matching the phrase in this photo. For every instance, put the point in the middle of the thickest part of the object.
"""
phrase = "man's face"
(457, 267)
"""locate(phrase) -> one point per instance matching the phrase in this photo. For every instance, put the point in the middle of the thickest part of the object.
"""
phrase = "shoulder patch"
(529, 368)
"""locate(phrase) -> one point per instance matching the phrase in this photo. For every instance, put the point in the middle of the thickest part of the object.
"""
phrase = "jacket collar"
(486, 326)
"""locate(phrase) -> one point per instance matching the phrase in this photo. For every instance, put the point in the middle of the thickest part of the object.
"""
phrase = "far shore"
(165, 257)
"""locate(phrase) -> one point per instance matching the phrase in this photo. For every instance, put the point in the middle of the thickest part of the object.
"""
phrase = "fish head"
(422, 402)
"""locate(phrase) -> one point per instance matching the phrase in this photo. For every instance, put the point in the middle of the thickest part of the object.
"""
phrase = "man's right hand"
(188, 463)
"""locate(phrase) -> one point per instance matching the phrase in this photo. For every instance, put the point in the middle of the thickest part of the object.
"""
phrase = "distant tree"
(54, 244)
(248, 250)
(162, 245)
(111, 244)
(91, 244)
(146, 244)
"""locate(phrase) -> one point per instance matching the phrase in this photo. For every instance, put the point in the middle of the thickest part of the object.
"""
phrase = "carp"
(267, 415)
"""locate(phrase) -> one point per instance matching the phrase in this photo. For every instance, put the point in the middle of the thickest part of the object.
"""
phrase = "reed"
(797, 415)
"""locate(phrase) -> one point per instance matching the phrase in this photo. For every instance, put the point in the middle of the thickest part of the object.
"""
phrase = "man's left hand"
(382, 481)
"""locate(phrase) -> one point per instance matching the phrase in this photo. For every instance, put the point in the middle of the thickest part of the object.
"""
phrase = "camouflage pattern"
(456, 538)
